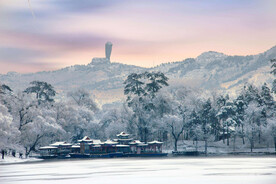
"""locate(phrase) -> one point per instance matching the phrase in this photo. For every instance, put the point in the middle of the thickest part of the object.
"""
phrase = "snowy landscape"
(227, 117)
(185, 92)
(183, 118)
(151, 108)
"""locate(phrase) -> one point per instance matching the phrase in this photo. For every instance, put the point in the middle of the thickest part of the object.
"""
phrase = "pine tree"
(207, 114)
(156, 81)
(141, 90)
(240, 113)
(44, 91)
(4, 89)
(267, 98)
(226, 113)
(273, 66)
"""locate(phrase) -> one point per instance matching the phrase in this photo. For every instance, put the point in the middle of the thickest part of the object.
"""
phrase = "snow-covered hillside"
(210, 70)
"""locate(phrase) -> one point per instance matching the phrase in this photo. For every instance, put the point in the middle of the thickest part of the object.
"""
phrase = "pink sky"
(144, 32)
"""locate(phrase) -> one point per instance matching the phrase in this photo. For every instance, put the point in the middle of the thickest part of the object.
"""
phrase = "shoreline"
(170, 156)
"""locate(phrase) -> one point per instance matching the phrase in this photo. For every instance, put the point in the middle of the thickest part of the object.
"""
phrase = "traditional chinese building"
(92, 148)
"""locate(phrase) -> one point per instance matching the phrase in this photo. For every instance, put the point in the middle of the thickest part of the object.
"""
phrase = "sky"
(52, 34)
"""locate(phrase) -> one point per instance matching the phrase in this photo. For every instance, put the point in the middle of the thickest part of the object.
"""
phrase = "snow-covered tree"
(176, 125)
(207, 115)
(227, 114)
(251, 93)
(9, 134)
(23, 109)
(252, 117)
(141, 90)
(273, 66)
(40, 131)
(6, 96)
(271, 127)
(81, 97)
(4, 89)
(74, 119)
(157, 80)
(113, 122)
(44, 91)
(240, 113)
(266, 96)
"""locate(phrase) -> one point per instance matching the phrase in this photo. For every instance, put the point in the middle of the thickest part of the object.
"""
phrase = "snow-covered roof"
(142, 144)
(155, 142)
(122, 146)
(123, 139)
(122, 134)
(110, 142)
(135, 142)
(66, 144)
(57, 143)
(76, 146)
(47, 147)
(96, 141)
(85, 139)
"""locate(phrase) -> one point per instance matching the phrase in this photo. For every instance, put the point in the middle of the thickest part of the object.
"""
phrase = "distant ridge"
(210, 70)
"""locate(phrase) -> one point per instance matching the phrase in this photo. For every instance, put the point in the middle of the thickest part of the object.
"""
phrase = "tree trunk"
(223, 136)
(175, 144)
(252, 143)
(275, 143)
(259, 136)
(26, 152)
(196, 144)
(234, 144)
(243, 141)
(141, 134)
(146, 135)
(227, 136)
(217, 135)
(206, 146)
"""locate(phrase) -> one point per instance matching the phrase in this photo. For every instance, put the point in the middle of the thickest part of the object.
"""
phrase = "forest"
(152, 110)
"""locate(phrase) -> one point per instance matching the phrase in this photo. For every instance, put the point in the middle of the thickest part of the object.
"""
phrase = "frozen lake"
(209, 170)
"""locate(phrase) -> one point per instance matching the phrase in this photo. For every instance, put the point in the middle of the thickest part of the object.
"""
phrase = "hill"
(210, 70)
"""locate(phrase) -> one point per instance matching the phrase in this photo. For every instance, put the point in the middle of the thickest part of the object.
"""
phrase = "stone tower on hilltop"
(108, 49)
(106, 60)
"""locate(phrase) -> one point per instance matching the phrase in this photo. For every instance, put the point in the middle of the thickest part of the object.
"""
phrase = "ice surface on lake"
(246, 170)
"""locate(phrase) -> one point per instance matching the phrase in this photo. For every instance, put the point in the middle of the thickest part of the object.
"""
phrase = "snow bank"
(11, 160)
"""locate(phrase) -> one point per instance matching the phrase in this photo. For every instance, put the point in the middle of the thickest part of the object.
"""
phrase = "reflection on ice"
(253, 170)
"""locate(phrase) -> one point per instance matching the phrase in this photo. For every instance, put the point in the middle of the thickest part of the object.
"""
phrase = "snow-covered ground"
(218, 147)
(199, 170)
(11, 160)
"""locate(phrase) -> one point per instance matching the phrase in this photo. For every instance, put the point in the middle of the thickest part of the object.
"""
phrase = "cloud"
(23, 60)
(67, 32)
(18, 55)
(52, 42)
(81, 6)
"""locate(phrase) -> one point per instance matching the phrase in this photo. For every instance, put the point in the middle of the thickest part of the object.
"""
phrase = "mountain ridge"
(210, 70)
